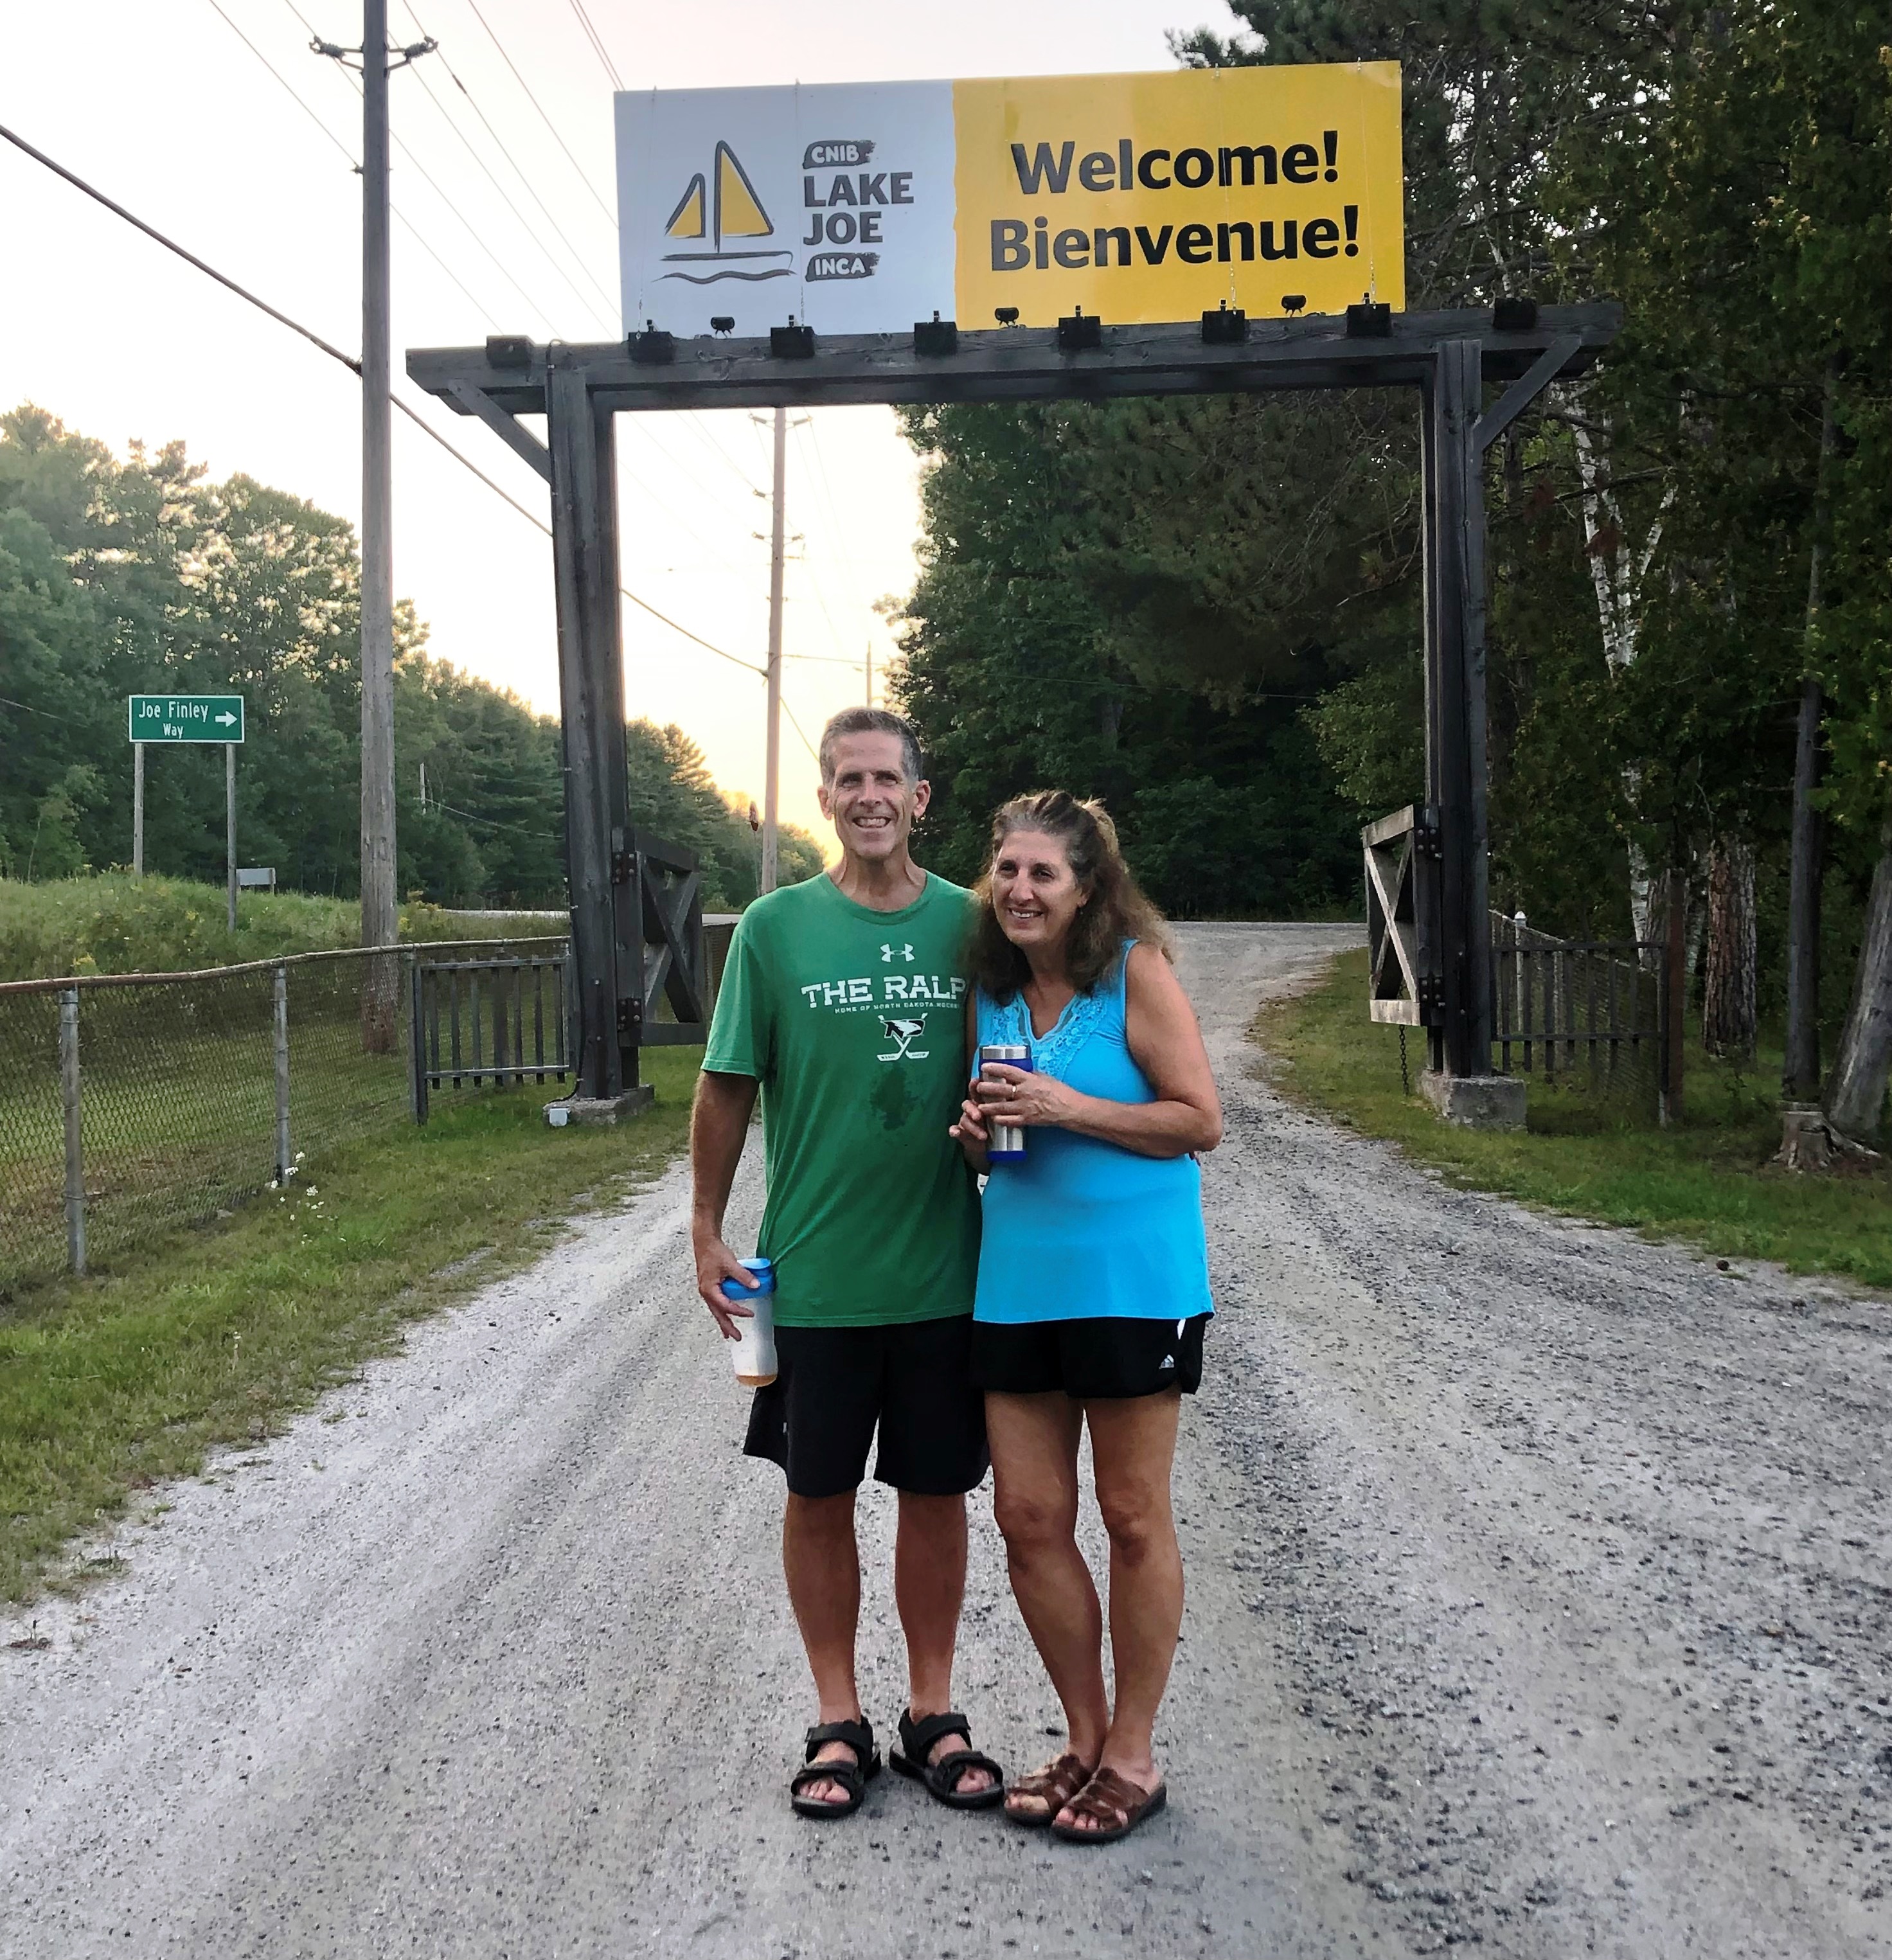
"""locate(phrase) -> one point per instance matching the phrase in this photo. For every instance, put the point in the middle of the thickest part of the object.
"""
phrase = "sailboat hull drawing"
(724, 206)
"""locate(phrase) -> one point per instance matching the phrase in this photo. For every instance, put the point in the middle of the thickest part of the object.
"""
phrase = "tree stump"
(1809, 1142)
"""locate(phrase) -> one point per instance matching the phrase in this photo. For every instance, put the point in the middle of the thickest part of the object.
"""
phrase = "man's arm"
(718, 1125)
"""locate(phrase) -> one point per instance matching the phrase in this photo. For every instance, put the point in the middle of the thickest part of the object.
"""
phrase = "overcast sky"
(161, 105)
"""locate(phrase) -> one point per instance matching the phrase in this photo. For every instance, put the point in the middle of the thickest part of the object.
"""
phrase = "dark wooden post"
(1675, 996)
(627, 897)
(1454, 547)
(591, 688)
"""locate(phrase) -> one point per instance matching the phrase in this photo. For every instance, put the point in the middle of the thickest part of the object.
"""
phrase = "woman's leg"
(1034, 1440)
(1133, 1445)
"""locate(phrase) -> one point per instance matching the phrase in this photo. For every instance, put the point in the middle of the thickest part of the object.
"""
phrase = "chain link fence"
(133, 1104)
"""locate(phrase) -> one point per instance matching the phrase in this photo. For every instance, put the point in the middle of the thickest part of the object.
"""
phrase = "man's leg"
(1034, 1460)
(823, 1565)
(933, 1451)
(929, 1588)
(1132, 1446)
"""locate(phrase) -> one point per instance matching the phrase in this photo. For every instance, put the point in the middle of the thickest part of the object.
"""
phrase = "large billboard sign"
(861, 207)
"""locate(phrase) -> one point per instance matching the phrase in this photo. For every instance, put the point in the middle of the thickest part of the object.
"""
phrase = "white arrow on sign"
(226, 720)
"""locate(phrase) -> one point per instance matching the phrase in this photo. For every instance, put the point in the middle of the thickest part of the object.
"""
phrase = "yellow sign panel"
(1154, 197)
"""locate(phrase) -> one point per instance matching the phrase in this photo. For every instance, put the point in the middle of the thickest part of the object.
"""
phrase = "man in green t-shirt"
(844, 1000)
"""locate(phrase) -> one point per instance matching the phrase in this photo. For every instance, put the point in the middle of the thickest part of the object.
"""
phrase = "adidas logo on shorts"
(1167, 1361)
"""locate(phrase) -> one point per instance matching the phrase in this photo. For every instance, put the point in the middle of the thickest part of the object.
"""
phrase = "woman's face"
(1034, 891)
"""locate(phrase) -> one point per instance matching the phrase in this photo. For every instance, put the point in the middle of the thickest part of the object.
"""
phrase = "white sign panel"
(831, 203)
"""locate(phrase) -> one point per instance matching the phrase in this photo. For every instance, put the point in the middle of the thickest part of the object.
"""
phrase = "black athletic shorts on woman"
(1109, 1357)
(834, 1384)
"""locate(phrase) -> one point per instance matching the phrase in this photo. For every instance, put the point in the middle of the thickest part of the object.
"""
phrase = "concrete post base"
(598, 1108)
(1477, 1102)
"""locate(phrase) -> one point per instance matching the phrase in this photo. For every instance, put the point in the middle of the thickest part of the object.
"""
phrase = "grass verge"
(110, 922)
(1706, 1180)
(218, 1336)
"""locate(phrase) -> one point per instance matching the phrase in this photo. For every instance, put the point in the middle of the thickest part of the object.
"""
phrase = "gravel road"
(1537, 1600)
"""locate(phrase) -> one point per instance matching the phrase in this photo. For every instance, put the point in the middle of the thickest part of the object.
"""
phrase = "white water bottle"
(755, 1344)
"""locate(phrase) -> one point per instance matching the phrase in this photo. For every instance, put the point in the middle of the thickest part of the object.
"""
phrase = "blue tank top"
(1082, 1227)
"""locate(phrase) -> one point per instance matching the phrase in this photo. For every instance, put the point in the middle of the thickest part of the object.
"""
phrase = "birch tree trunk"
(1728, 1012)
(1855, 1095)
(1617, 569)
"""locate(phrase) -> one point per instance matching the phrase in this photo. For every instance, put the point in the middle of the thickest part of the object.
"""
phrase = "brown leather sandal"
(1115, 1807)
(1056, 1784)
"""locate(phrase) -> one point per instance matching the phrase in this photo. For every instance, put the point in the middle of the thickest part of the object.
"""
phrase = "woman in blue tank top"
(1093, 1279)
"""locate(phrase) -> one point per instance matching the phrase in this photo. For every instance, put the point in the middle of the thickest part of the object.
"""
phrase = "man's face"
(870, 802)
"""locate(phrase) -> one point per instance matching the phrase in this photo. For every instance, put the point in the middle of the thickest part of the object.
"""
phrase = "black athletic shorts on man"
(852, 1020)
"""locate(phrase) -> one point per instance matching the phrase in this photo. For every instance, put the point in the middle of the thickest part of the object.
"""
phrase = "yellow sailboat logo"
(733, 209)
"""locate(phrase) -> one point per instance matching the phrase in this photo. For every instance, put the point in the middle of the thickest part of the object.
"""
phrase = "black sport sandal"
(854, 1777)
(941, 1778)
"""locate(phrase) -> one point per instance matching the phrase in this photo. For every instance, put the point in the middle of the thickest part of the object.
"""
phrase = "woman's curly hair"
(1115, 910)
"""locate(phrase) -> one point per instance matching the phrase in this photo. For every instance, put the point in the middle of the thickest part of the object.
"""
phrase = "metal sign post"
(187, 717)
(229, 829)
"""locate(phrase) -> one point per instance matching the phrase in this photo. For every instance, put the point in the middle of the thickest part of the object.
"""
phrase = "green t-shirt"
(854, 1021)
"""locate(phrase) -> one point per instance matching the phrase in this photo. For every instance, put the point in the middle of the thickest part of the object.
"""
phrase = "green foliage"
(141, 576)
(674, 796)
(1707, 1181)
(113, 922)
(1069, 628)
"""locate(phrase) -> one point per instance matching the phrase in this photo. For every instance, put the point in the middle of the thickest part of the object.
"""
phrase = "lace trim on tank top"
(1052, 1053)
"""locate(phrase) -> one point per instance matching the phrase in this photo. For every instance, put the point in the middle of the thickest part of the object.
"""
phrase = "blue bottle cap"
(763, 1269)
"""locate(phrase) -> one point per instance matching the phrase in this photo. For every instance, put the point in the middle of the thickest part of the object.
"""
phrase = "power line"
(301, 102)
(466, 224)
(578, 257)
(597, 44)
(171, 245)
(525, 223)
(478, 305)
(722, 455)
(287, 84)
(797, 727)
(484, 310)
(543, 116)
(348, 362)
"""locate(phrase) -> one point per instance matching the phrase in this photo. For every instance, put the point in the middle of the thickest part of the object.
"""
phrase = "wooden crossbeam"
(1021, 364)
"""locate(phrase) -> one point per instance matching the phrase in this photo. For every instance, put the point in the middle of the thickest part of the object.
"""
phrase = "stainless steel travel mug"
(1008, 1144)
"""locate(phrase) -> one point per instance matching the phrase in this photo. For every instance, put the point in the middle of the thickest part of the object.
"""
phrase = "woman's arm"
(971, 1132)
(1166, 1044)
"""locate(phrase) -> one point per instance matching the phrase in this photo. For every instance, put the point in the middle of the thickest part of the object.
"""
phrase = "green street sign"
(185, 717)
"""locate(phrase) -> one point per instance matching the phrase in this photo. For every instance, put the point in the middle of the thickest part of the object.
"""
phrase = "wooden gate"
(480, 1022)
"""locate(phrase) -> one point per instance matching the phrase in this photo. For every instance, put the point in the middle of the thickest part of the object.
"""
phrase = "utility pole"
(380, 919)
(772, 778)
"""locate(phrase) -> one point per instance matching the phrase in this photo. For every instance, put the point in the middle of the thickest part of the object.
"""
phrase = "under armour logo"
(904, 1034)
(890, 954)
